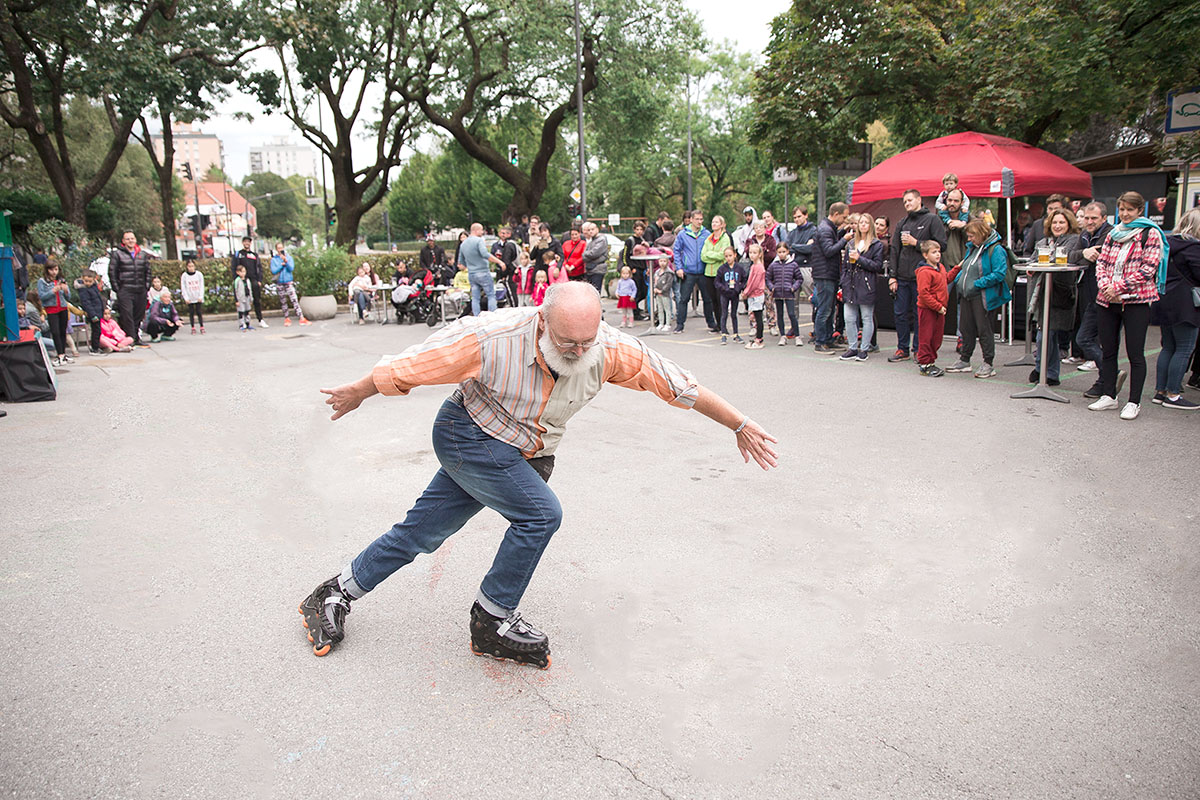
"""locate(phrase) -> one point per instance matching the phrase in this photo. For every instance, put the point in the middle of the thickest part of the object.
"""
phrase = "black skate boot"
(509, 638)
(324, 614)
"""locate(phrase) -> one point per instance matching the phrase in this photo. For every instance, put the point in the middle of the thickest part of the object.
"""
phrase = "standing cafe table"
(1042, 390)
(384, 298)
(650, 261)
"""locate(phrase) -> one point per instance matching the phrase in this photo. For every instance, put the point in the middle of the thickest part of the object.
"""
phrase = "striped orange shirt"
(506, 387)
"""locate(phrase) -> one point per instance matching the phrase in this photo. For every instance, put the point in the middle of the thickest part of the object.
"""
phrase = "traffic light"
(186, 167)
(331, 216)
(512, 154)
(309, 187)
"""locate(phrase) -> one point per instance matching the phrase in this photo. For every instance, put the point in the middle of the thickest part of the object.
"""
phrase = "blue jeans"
(484, 284)
(1053, 354)
(1178, 341)
(362, 301)
(476, 471)
(1088, 335)
(826, 296)
(690, 281)
(866, 313)
(905, 308)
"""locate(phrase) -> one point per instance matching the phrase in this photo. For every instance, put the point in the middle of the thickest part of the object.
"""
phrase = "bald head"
(571, 312)
(477, 229)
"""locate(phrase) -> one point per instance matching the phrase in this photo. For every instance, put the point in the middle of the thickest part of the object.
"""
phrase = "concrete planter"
(321, 306)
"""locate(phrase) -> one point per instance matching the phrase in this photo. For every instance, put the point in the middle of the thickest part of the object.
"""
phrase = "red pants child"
(929, 335)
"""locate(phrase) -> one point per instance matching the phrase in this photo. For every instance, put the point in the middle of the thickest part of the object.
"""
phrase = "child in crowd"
(626, 294)
(112, 337)
(54, 293)
(242, 295)
(25, 321)
(784, 280)
(154, 293)
(554, 272)
(191, 288)
(664, 295)
(163, 319)
(524, 279)
(93, 309)
(730, 281)
(755, 293)
(540, 285)
(932, 297)
(949, 184)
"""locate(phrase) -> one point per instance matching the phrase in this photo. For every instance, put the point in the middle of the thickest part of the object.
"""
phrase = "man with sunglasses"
(522, 373)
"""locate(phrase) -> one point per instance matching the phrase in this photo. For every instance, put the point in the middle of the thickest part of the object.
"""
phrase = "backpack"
(1010, 271)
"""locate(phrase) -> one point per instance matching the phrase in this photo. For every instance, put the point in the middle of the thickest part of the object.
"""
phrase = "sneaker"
(68, 360)
(1087, 366)
(782, 341)
(1094, 392)
(193, 330)
(1072, 360)
(738, 339)
(959, 366)
(985, 371)
(304, 321)
(862, 356)
(140, 343)
(1179, 403)
(799, 342)
(873, 348)
(168, 338)
(1105, 403)
(156, 339)
(931, 370)
(1158, 398)
(262, 323)
(899, 355)
(754, 345)
(287, 322)
(1121, 376)
(201, 330)
(93, 351)
(772, 330)
(849, 355)
(56, 361)
(724, 340)
(1194, 380)
(825, 349)
(1130, 411)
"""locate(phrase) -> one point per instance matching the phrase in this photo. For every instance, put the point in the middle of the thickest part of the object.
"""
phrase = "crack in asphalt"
(886, 744)
(595, 750)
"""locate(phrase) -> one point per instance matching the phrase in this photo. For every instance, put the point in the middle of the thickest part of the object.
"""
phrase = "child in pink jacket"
(111, 336)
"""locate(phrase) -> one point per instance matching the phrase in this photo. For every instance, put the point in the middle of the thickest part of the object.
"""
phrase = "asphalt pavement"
(940, 593)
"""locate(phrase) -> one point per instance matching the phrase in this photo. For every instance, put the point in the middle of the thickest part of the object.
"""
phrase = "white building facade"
(284, 159)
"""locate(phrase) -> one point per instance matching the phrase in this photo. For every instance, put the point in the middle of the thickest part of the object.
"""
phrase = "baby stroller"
(411, 301)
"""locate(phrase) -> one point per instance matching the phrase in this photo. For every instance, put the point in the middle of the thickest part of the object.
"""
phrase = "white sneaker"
(782, 341)
(1130, 411)
(1105, 403)
(262, 323)
(1087, 366)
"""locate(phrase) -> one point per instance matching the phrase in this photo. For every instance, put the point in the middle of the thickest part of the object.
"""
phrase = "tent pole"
(1008, 222)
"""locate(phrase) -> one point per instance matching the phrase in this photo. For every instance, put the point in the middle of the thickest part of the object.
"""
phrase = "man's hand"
(1091, 253)
(754, 442)
(892, 284)
(348, 397)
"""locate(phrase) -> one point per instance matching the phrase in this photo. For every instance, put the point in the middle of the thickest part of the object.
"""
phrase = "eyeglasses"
(571, 345)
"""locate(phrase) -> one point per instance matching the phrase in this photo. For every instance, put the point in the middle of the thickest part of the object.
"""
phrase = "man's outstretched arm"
(752, 440)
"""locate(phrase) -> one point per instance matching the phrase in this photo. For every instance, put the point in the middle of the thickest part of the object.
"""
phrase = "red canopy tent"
(987, 166)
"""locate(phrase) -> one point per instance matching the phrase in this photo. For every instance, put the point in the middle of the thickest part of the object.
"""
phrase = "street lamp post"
(579, 115)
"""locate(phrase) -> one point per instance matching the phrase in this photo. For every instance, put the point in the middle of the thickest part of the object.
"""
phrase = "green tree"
(480, 61)
(352, 56)
(117, 54)
(1028, 70)
(280, 209)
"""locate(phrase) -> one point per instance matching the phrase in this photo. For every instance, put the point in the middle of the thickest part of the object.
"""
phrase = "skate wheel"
(304, 622)
(547, 666)
(475, 650)
(310, 637)
(320, 651)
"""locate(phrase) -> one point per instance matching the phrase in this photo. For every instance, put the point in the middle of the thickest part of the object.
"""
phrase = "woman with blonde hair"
(862, 264)
(1176, 313)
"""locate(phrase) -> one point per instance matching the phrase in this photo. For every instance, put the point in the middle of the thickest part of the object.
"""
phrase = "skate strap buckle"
(509, 623)
(337, 600)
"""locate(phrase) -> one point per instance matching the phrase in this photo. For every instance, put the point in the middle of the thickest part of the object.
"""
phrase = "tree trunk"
(165, 171)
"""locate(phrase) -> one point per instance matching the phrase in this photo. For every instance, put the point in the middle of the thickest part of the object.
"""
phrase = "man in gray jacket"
(595, 256)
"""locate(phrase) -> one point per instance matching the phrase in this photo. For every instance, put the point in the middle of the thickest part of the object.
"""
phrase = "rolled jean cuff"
(349, 585)
(491, 606)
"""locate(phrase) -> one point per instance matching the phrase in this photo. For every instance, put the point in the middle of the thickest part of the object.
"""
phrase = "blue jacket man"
(689, 241)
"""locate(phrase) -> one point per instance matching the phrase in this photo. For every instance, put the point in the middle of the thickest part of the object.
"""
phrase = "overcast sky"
(747, 24)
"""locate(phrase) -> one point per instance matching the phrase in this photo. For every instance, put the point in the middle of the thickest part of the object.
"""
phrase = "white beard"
(567, 365)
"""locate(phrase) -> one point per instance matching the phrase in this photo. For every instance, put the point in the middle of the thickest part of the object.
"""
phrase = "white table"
(386, 289)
